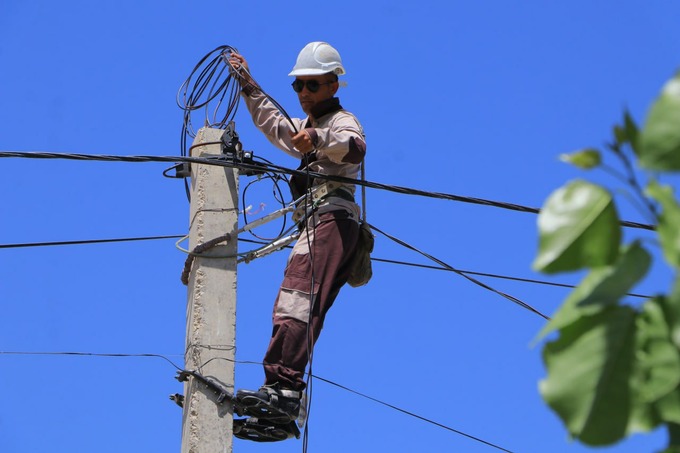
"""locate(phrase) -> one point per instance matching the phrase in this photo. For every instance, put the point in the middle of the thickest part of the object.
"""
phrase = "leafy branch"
(613, 367)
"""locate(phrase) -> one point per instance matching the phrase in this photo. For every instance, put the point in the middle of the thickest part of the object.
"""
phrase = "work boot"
(264, 430)
(270, 402)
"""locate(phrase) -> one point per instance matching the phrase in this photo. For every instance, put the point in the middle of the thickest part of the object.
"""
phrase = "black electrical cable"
(411, 414)
(312, 299)
(264, 242)
(278, 196)
(283, 170)
(485, 274)
(249, 362)
(473, 280)
(90, 354)
(306, 222)
(87, 241)
(208, 76)
(210, 81)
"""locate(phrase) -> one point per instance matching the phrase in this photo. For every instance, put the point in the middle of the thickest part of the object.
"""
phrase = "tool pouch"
(360, 266)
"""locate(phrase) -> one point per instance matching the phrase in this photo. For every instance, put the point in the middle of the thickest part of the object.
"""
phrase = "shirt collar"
(325, 107)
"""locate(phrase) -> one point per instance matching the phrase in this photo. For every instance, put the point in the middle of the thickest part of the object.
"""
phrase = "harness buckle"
(317, 194)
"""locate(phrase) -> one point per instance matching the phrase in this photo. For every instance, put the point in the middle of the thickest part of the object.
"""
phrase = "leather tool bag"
(360, 267)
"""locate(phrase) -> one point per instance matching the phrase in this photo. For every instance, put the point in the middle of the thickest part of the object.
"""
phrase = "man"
(328, 141)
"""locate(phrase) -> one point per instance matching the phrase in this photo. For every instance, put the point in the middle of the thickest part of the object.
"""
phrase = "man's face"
(325, 85)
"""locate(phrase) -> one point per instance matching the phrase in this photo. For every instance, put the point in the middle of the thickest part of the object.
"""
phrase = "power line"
(86, 241)
(383, 260)
(412, 414)
(91, 354)
(251, 241)
(249, 362)
(444, 265)
(473, 280)
(485, 274)
(224, 162)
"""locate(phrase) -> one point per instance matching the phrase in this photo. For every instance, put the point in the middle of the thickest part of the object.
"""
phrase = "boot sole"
(264, 430)
(261, 410)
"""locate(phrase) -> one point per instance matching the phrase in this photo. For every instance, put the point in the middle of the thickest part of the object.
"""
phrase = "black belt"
(340, 193)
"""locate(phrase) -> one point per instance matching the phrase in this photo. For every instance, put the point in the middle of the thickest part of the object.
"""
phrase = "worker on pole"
(329, 141)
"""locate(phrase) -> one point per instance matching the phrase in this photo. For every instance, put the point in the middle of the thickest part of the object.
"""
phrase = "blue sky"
(470, 98)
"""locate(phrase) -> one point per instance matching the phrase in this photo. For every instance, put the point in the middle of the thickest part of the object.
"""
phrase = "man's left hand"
(302, 141)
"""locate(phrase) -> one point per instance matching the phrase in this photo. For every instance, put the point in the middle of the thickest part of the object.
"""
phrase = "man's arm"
(342, 141)
(265, 114)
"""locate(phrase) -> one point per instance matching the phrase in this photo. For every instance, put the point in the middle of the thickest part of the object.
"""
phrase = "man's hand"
(302, 141)
(240, 65)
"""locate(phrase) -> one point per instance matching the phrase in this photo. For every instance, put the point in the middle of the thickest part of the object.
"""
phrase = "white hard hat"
(318, 58)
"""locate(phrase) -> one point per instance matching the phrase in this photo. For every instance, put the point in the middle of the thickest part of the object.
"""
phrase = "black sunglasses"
(312, 85)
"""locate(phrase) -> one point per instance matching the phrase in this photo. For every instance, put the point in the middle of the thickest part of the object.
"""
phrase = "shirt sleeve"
(342, 141)
(271, 122)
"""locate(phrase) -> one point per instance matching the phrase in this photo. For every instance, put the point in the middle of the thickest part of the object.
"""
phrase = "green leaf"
(671, 309)
(657, 359)
(659, 146)
(631, 131)
(586, 158)
(578, 227)
(656, 378)
(628, 133)
(643, 418)
(588, 371)
(668, 407)
(669, 219)
(602, 286)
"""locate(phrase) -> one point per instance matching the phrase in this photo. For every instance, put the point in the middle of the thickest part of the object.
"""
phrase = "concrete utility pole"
(211, 305)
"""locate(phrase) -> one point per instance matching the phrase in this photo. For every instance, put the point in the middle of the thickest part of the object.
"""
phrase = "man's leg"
(320, 275)
(309, 277)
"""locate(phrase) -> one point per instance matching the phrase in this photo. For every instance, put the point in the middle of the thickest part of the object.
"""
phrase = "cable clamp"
(222, 393)
(182, 170)
(178, 399)
(270, 248)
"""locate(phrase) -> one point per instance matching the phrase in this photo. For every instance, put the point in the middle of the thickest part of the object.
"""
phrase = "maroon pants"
(316, 270)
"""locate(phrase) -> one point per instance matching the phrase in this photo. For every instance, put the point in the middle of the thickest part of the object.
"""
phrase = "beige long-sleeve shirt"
(336, 134)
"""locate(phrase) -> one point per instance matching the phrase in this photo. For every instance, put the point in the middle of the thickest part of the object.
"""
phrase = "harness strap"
(363, 190)
(320, 193)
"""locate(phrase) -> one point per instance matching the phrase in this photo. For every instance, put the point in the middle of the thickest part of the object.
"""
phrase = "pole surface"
(211, 305)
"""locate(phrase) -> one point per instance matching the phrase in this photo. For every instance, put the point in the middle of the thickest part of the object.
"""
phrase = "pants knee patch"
(295, 298)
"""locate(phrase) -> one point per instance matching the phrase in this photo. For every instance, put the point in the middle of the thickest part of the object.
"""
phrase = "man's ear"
(334, 87)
